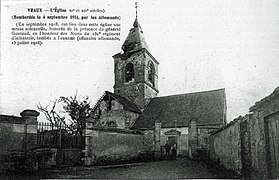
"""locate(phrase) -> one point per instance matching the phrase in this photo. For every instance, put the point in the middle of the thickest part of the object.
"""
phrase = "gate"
(272, 144)
(58, 146)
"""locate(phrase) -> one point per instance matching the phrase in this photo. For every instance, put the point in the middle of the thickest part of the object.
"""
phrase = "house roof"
(207, 108)
(122, 100)
(135, 39)
(11, 119)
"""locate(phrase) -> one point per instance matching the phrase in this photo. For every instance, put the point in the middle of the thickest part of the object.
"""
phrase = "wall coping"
(11, 119)
(238, 119)
(266, 99)
(117, 130)
(29, 112)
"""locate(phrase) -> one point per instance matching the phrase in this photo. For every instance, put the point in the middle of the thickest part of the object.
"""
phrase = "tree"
(78, 111)
(51, 115)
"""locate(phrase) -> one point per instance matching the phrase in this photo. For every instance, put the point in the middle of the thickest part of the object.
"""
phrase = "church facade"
(183, 120)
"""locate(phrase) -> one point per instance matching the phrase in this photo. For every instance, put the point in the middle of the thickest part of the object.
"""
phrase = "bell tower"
(135, 69)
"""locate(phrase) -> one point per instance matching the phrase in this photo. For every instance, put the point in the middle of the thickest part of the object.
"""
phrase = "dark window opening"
(151, 72)
(109, 105)
(111, 124)
(129, 72)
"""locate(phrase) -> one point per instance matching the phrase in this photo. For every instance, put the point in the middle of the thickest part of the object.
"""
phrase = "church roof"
(135, 39)
(125, 102)
(122, 100)
(207, 108)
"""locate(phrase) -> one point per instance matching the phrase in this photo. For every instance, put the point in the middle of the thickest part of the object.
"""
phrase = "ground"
(181, 168)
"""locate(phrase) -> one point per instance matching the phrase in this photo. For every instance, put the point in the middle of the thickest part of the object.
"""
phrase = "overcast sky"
(200, 45)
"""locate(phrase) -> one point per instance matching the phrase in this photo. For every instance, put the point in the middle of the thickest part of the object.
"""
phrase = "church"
(184, 120)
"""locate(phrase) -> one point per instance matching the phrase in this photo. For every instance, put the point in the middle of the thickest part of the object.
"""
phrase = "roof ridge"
(118, 97)
(198, 92)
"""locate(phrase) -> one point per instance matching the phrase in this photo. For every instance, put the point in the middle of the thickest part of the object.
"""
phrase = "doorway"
(172, 140)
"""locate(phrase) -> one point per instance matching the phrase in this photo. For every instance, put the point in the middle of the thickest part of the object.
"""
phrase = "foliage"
(77, 109)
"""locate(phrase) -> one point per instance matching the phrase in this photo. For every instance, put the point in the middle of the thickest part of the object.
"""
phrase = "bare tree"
(78, 110)
(51, 114)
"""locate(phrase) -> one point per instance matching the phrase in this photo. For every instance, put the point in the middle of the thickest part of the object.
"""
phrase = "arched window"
(129, 72)
(111, 124)
(151, 73)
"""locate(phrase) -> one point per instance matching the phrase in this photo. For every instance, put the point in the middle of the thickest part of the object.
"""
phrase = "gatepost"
(193, 140)
(30, 137)
(157, 140)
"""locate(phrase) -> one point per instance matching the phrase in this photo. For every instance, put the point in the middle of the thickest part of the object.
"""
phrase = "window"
(111, 124)
(151, 72)
(129, 72)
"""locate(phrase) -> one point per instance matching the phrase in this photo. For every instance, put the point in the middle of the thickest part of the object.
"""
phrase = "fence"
(65, 145)
(49, 136)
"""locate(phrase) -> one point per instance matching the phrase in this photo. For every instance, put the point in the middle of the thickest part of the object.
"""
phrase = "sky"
(200, 45)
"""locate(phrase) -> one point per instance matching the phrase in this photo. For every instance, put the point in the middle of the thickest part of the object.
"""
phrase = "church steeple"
(136, 20)
(136, 70)
(135, 39)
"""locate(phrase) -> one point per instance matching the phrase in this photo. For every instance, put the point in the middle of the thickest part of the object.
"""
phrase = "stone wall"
(225, 147)
(256, 128)
(257, 125)
(18, 137)
(204, 132)
(112, 145)
(148, 141)
(249, 145)
(121, 117)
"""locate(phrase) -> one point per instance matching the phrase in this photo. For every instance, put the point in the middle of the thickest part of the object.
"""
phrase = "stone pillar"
(193, 140)
(30, 130)
(88, 159)
(157, 140)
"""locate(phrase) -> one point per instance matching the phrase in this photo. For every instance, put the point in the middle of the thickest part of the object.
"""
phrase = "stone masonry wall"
(225, 147)
(18, 135)
(120, 116)
(256, 128)
(112, 145)
(256, 125)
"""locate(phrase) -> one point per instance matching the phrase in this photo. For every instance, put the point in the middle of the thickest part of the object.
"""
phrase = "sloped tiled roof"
(207, 108)
(122, 100)
(135, 39)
